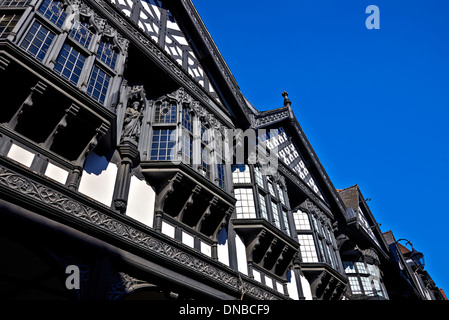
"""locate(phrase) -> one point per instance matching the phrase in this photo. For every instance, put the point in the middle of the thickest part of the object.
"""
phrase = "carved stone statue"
(132, 122)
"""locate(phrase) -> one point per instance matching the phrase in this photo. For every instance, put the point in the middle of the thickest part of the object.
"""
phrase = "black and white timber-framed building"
(121, 138)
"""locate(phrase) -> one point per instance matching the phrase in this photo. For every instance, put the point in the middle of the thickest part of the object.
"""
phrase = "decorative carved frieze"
(269, 118)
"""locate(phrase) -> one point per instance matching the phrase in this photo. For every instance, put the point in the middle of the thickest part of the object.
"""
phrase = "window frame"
(28, 32)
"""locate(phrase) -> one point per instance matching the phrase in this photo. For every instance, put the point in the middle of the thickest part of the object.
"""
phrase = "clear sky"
(373, 103)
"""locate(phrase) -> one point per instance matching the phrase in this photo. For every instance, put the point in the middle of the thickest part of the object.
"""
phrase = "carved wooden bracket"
(195, 191)
(38, 89)
(206, 213)
(70, 112)
(165, 191)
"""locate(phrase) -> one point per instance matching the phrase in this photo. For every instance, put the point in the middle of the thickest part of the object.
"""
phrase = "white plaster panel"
(56, 173)
(257, 276)
(241, 255)
(206, 249)
(187, 239)
(21, 155)
(292, 288)
(306, 288)
(141, 201)
(99, 187)
(223, 253)
(168, 229)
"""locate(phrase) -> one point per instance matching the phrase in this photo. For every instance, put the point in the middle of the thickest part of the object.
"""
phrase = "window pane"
(367, 286)
(7, 23)
(361, 267)
(81, 34)
(285, 219)
(259, 178)
(355, 285)
(165, 112)
(274, 209)
(69, 64)
(263, 207)
(245, 203)
(107, 54)
(163, 144)
(53, 11)
(301, 220)
(206, 161)
(221, 176)
(271, 189)
(186, 147)
(37, 41)
(308, 251)
(98, 84)
(281, 193)
(187, 121)
(349, 266)
(241, 174)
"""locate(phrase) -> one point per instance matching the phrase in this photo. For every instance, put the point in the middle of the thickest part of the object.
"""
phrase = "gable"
(152, 17)
(290, 155)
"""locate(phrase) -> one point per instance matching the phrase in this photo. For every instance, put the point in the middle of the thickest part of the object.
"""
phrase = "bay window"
(180, 133)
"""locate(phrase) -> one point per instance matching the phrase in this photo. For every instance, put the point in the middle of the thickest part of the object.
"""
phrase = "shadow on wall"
(96, 164)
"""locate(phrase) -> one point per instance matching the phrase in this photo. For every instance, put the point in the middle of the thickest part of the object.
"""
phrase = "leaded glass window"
(355, 285)
(349, 267)
(301, 220)
(14, 3)
(281, 194)
(271, 189)
(186, 142)
(107, 54)
(240, 174)
(7, 23)
(245, 203)
(221, 176)
(286, 224)
(37, 41)
(263, 207)
(274, 210)
(162, 146)
(165, 112)
(81, 34)
(308, 251)
(367, 286)
(206, 152)
(361, 267)
(69, 64)
(53, 11)
(98, 84)
(259, 178)
(219, 155)
(206, 161)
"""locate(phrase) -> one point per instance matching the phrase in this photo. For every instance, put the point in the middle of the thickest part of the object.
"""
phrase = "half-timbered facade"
(128, 153)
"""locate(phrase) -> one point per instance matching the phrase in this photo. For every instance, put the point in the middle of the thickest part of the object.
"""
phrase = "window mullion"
(53, 53)
(196, 143)
(85, 73)
(179, 141)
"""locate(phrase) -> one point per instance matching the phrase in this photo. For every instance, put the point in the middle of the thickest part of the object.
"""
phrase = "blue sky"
(373, 103)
